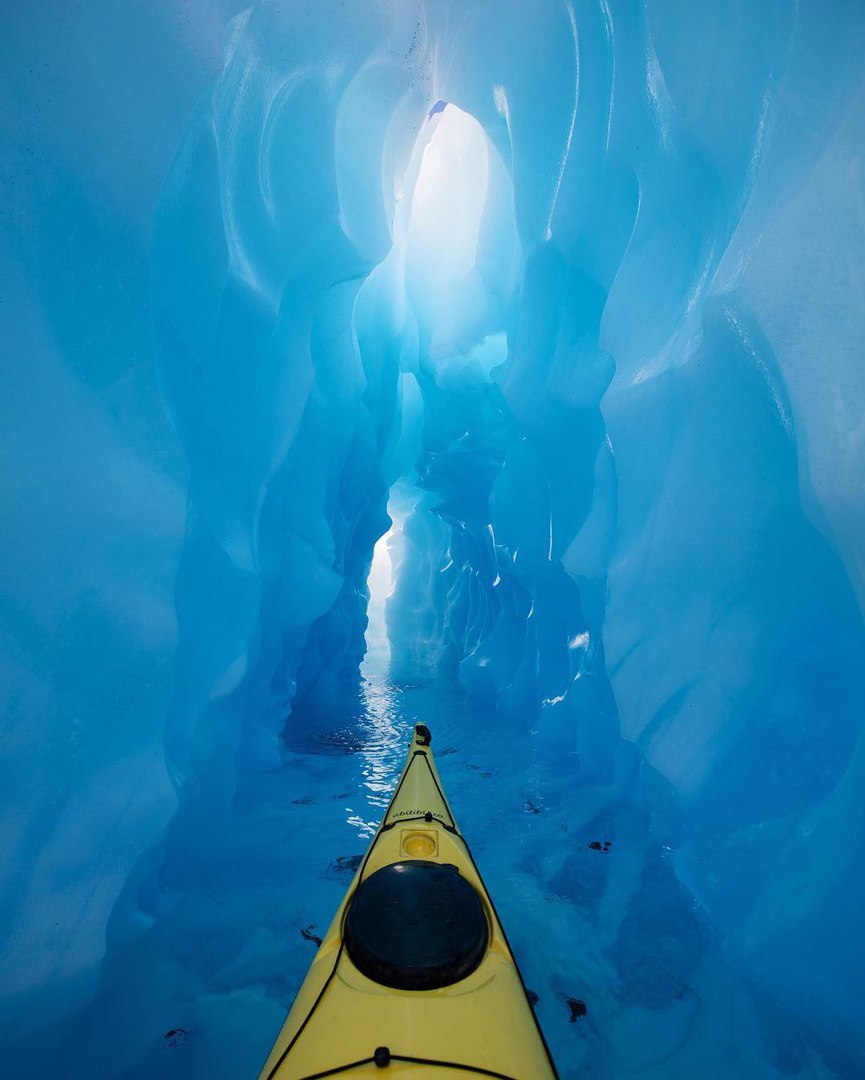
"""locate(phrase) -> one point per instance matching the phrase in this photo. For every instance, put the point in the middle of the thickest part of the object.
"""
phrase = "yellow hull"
(346, 1023)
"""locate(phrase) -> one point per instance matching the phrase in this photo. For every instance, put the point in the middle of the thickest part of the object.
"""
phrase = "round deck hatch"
(416, 925)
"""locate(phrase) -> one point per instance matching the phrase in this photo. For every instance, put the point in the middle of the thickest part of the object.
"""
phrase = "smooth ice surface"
(516, 345)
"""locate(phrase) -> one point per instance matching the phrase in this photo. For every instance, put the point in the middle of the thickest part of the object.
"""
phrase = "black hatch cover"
(416, 925)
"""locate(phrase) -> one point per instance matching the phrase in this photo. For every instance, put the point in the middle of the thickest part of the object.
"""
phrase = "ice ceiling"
(557, 307)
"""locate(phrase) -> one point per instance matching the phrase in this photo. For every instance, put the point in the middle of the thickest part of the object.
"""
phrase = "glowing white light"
(448, 200)
(437, 228)
(380, 585)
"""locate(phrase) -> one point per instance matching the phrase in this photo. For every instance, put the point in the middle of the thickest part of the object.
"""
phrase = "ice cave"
(495, 365)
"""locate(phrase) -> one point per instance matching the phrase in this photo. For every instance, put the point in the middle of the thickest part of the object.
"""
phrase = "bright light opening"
(449, 194)
(386, 559)
(380, 586)
(438, 227)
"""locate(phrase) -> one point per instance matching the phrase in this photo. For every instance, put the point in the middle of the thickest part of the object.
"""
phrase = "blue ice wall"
(94, 100)
(591, 329)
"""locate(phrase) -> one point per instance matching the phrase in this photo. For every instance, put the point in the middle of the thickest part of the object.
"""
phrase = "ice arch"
(624, 458)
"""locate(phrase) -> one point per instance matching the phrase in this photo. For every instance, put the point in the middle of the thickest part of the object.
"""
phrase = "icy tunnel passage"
(512, 354)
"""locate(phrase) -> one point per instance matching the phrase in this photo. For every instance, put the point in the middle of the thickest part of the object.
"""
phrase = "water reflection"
(384, 749)
(368, 723)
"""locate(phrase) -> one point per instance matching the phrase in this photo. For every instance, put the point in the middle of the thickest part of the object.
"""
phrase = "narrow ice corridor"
(491, 366)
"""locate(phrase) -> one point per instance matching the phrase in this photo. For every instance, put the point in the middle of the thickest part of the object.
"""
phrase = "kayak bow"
(415, 977)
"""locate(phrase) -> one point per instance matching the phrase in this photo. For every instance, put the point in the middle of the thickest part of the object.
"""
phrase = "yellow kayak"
(415, 977)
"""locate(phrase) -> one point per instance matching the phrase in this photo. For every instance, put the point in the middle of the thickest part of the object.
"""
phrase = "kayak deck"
(345, 1022)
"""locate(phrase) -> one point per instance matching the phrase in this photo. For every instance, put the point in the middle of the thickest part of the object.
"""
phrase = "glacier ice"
(516, 346)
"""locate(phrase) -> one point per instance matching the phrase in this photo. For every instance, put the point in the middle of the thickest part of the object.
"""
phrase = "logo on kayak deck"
(411, 813)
